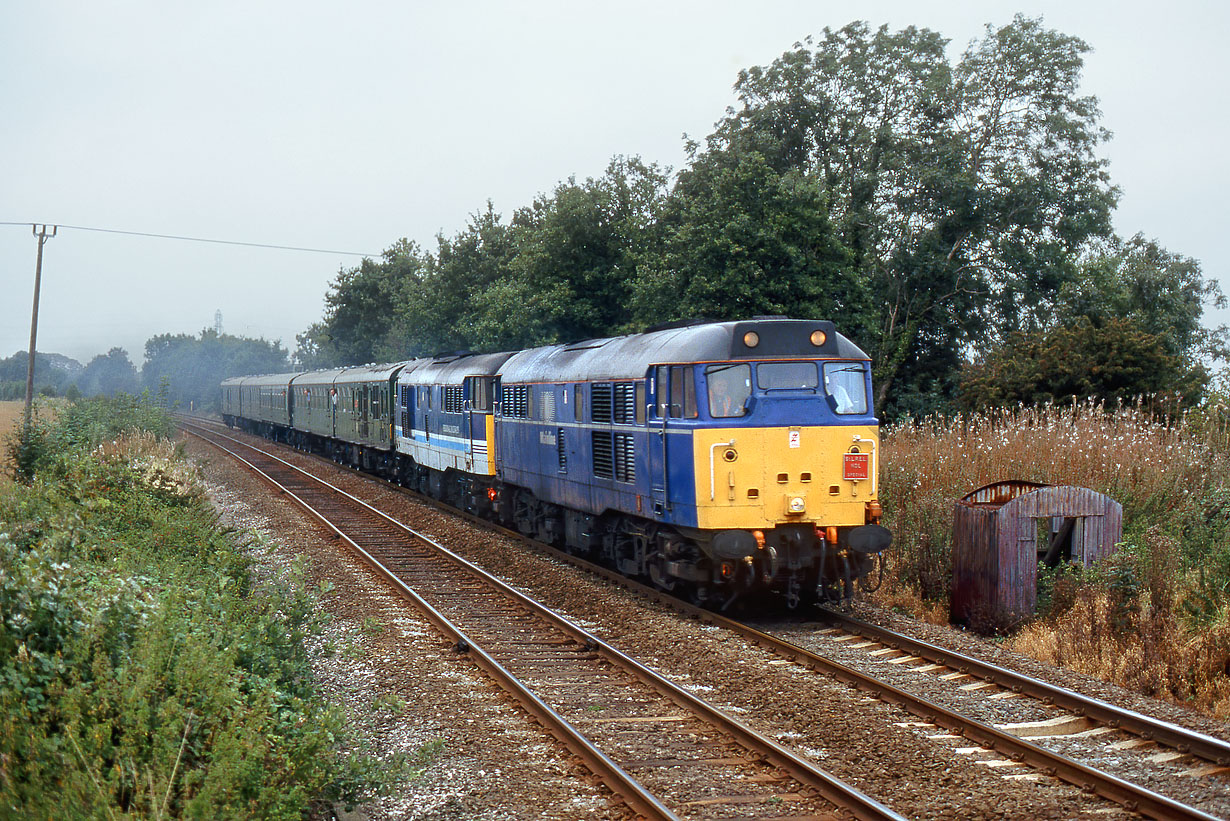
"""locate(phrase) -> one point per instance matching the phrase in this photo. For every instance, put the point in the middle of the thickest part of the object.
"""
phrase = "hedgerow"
(144, 670)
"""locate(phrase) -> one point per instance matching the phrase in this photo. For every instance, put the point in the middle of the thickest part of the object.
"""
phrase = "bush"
(143, 670)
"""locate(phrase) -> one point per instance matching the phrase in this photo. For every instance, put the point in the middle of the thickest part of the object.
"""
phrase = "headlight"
(796, 505)
(751, 339)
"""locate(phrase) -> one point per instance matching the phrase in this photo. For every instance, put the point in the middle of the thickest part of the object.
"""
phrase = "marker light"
(818, 338)
(751, 339)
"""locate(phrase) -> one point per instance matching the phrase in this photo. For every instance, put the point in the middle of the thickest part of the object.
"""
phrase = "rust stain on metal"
(997, 494)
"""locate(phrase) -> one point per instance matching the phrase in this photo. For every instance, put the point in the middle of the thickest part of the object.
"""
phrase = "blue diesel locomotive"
(714, 459)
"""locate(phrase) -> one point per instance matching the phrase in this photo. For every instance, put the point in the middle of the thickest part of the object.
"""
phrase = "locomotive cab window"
(787, 376)
(481, 390)
(845, 385)
(729, 387)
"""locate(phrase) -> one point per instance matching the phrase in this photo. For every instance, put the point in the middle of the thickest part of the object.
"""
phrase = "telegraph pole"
(39, 231)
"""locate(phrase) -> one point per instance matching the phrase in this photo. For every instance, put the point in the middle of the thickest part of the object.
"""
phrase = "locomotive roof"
(451, 370)
(628, 357)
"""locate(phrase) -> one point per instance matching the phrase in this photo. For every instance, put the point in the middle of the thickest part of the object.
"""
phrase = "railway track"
(666, 753)
(906, 653)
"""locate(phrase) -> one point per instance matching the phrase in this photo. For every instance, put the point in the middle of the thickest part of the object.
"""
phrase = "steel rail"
(1131, 796)
(1152, 729)
(832, 789)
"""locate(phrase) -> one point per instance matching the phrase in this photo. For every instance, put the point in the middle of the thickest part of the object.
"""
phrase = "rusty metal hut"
(1001, 532)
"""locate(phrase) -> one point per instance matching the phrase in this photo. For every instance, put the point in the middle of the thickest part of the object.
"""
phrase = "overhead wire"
(204, 239)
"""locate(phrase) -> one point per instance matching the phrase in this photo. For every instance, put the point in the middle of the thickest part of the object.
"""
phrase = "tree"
(738, 240)
(50, 369)
(1159, 292)
(963, 191)
(560, 270)
(109, 374)
(574, 257)
(190, 369)
(359, 310)
(1115, 361)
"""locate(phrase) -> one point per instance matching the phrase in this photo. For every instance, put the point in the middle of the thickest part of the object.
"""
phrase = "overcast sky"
(346, 126)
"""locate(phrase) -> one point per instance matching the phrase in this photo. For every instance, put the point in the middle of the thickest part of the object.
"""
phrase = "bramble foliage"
(143, 671)
(1163, 600)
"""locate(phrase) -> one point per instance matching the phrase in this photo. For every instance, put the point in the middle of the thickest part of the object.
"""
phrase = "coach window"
(683, 392)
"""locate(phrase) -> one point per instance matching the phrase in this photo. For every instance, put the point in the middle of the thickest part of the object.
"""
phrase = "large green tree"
(739, 239)
(560, 269)
(963, 191)
(358, 326)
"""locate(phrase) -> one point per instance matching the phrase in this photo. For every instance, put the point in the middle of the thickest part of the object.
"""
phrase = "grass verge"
(144, 671)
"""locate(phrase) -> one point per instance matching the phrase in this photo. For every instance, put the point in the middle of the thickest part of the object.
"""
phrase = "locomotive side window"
(660, 390)
(481, 390)
(683, 392)
(845, 383)
(640, 402)
(578, 403)
(729, 387)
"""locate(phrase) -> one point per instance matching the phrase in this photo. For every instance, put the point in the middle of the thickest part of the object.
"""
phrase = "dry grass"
(1157, 617)
(1145, 650)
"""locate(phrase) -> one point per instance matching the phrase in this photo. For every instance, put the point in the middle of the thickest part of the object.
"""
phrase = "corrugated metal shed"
(1002, 530)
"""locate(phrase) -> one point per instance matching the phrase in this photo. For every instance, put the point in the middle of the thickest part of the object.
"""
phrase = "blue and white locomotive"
(714, 459)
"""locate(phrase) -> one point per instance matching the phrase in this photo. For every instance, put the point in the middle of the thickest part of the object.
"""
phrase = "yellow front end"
(762, 478)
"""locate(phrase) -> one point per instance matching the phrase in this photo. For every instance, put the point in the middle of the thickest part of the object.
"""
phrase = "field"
(10, 421)
(10, 418)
